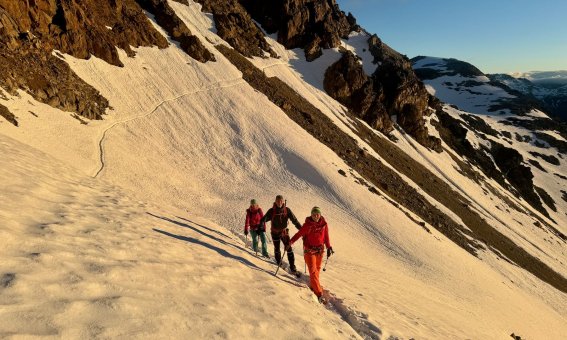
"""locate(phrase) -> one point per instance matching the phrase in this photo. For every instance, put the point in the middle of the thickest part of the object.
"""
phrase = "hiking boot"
(322, 300)
(266, 255)
(295, 273)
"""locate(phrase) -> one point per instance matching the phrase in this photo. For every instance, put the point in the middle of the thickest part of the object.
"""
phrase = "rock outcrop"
(235, 26)
(392, 90)
(404, 94)
(167, 18)
(31, 30)
(49, 80)
(9, 116)
(79, 28)
(503, 164)
(307, 24)
(347, 82)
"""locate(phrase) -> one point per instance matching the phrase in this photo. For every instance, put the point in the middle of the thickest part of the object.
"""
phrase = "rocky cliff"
(392, 90)
(31, 30)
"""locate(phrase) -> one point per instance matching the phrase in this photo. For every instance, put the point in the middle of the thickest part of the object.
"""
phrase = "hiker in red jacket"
(256, 227)
(315, 233)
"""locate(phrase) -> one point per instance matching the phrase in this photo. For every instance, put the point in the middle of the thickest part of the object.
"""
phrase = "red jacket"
(253, 218)
(316, 234)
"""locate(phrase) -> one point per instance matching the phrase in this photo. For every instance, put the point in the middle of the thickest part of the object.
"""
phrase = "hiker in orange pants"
(315, 233)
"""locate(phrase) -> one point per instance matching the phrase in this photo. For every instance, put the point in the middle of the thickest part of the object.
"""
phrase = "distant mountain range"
(518, 92)
(548, 87)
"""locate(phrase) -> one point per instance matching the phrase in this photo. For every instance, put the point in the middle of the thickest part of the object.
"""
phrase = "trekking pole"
(325, 267)
(279, 265)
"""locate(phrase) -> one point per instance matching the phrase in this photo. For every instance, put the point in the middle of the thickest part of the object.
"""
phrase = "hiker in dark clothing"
(279, 214)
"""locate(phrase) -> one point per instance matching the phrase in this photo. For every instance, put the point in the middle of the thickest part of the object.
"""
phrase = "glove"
(245, 232)
(330, 252)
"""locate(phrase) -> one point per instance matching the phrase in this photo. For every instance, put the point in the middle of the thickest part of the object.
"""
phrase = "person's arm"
(247, 223)
(293, 219)
(330, 250)
(262, 224)
(302, 231)
(266, 217)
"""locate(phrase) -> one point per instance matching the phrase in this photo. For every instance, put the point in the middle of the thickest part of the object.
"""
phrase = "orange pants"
(313, 261)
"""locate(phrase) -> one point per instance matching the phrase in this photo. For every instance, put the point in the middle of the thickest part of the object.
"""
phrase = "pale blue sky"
(497, 36)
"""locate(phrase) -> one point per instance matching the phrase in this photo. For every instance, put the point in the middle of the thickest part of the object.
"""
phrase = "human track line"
(230, 83)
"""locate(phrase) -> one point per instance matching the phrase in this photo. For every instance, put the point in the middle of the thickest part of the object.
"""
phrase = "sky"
(500, 36)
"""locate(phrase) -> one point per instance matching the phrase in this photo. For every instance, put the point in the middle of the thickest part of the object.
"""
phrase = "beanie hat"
(316, 210)
(253, 201)
(279, 197)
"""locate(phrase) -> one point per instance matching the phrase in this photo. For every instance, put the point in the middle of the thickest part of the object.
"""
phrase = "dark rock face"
(9, 116)
(176, 28)
(548, 158)
(520, 176)
(308, 24)
(454, 134)
(546, 198)
(543, 124)
(236, 27)
(31, 30)
(49, 80)
(508, 161)
(78, 27)
(404, 94)
(392, 90)
(346, 81)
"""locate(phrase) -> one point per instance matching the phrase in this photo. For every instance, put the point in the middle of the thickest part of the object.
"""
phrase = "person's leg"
(276, 239)
(254, 240)
(264, 244)
(290, 255)
(318, 261)
(311, 261)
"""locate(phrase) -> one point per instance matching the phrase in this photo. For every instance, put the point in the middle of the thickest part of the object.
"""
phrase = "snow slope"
(196, 142)
(82, 259)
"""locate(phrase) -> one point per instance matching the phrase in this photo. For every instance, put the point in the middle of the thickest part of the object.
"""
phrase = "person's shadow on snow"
(209, 246)
(203, 226)
(185, 225)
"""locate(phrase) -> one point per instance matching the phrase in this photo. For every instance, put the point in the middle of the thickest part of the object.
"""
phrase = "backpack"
(249, 212)
(284, 214)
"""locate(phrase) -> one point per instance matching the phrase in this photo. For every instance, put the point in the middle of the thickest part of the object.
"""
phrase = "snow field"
(196, 142)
